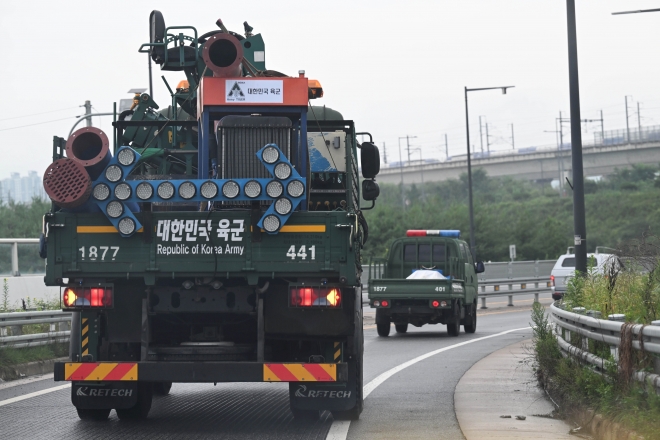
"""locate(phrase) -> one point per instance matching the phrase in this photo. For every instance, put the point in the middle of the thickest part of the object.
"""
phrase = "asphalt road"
(415, 401)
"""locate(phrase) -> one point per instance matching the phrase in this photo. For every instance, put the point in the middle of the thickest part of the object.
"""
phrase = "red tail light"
(384, 303)
(83, 297)
(435, 303)
(552, 279)
(315, 297)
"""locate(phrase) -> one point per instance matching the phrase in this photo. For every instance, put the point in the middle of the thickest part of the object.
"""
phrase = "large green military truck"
(428, 277)
(215, 240)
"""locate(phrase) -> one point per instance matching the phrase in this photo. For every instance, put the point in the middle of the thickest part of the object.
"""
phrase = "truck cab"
(428, 277)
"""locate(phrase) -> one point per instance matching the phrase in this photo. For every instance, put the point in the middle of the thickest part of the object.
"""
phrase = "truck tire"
(354, 413)
(162, 388)
(141, 409)
(470, 319)
(93, 414)
(382, 323)
(401, 328)
(383, 329)
(454, 325)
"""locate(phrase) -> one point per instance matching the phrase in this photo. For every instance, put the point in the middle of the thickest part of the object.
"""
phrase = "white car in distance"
(564, 269)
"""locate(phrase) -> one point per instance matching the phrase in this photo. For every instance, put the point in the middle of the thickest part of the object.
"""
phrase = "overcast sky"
(395, 67)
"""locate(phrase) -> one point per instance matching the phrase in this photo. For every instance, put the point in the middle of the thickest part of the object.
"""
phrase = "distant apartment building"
(22, 189)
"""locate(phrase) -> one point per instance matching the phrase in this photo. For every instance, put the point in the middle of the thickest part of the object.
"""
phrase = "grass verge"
(10, 357)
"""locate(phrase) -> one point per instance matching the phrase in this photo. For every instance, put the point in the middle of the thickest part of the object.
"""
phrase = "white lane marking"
(35, 394)
(339, 430)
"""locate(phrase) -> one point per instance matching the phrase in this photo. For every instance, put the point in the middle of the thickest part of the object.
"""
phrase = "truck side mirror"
(479, 267)
(370, 189)
(370, 159)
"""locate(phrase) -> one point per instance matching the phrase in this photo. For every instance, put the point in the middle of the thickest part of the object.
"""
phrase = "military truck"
(215, 240)
(448, 296)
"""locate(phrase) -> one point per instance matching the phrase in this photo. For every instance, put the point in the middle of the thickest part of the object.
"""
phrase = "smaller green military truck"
(428, 277)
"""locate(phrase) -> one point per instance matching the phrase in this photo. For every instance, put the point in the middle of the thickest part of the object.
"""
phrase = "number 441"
(302, 252)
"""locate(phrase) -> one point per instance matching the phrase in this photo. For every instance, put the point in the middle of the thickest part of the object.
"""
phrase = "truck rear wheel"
(354, 413)
(93, 414)
(470, 318)
(454, 326)
(401, 328)
(383, 328)
(382, 323)
(141, 409)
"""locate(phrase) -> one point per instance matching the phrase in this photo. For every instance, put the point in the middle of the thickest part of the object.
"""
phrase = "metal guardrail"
(11, 328)
(608, 332)
(14, 242)
(516, 269)
(540, 285)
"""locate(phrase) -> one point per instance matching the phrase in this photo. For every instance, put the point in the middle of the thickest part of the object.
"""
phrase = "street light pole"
(403, 198)
(579, 221)
(421, 159)
(473, 246)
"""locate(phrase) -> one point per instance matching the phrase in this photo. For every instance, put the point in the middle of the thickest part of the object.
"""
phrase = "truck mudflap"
(200, 372)
(92, 395)
(338, 396)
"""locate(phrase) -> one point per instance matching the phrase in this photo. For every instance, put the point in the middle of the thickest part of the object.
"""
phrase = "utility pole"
(627, 125)
(579, 218)
(560, 155)
(481, 136)
(602, 128)
(446, 148)
(487, 139)
(513, 142)
(384, 153)
(88, 111)
(639, 124)
(408, 145)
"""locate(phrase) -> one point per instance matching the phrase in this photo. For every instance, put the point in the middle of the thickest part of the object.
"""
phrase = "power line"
(38, 123)
(42, 113)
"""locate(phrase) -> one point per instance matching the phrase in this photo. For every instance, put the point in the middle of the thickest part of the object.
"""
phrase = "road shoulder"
(503, 384)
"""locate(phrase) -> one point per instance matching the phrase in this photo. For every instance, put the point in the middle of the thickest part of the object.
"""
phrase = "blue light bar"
(449, 233)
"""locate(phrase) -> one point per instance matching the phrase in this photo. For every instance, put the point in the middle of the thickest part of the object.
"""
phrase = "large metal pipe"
(90, 147)
(67, 183)
(223, 55)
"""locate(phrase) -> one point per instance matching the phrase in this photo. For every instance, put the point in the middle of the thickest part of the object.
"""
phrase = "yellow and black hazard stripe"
(337, 352)
(84, 336)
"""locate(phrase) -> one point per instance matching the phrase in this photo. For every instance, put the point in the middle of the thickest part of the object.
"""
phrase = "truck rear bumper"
(200, 372)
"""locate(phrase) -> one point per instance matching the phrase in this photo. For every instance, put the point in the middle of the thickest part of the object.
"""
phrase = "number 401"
(302, 252)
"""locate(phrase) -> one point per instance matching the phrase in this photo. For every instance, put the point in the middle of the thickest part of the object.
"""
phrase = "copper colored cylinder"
(90, 147)
(223, 55)
(67, 183)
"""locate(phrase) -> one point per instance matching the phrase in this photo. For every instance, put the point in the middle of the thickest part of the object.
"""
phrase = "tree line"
(535, 217)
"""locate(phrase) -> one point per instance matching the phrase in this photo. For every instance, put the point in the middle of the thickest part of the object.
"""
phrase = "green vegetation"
(15, 356)
(536, 218)
(634, 294)
(577, 384)
(20, 220)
